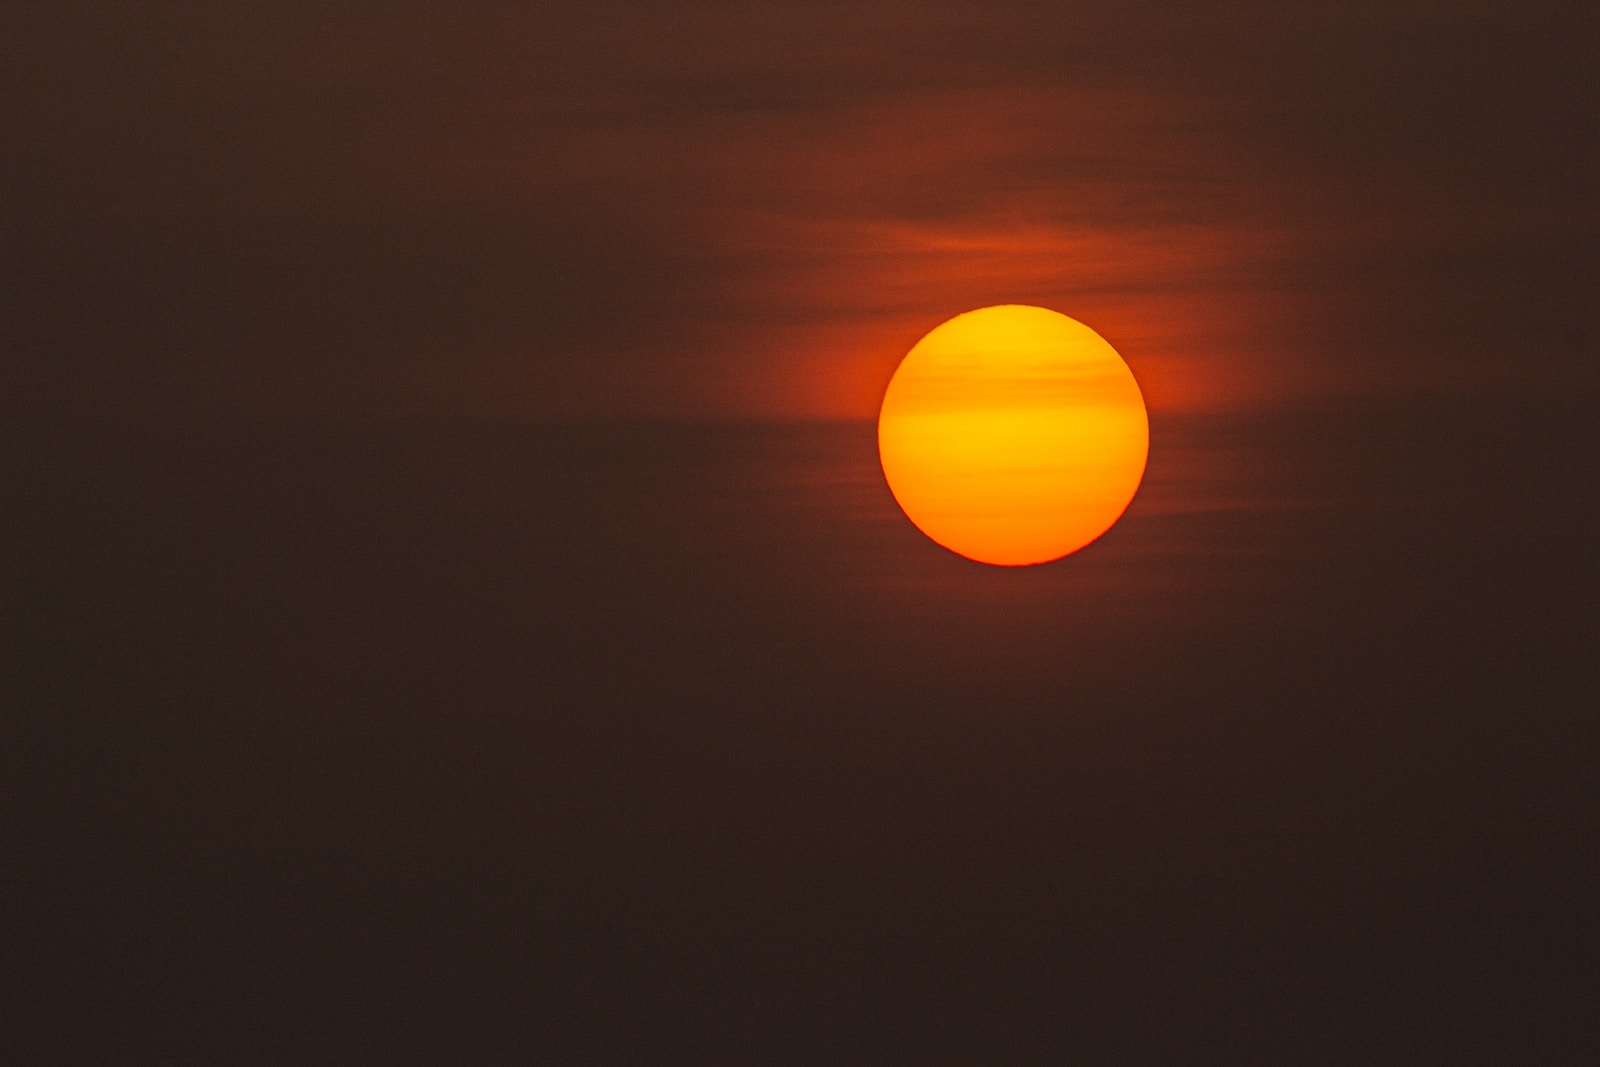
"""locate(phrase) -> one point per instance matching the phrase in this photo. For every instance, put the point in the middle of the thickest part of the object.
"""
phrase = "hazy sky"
(363, 716)
(750, 209)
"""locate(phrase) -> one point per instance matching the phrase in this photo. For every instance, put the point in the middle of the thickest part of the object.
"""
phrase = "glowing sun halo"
(1013, 435)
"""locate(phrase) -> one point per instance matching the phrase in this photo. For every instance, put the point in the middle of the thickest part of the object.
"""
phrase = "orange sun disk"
(1013, 435)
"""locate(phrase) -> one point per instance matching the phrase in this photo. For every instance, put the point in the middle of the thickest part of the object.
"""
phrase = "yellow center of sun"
(1013, 435)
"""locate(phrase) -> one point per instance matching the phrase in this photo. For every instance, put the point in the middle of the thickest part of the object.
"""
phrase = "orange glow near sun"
(1013, 435)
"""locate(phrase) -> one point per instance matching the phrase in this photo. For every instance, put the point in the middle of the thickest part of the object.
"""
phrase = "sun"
(1013, 435)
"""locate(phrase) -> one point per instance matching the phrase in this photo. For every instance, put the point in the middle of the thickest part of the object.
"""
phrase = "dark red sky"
(379, 684)
(754, 209)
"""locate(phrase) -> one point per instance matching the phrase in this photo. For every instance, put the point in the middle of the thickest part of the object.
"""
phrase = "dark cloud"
(511, 195)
